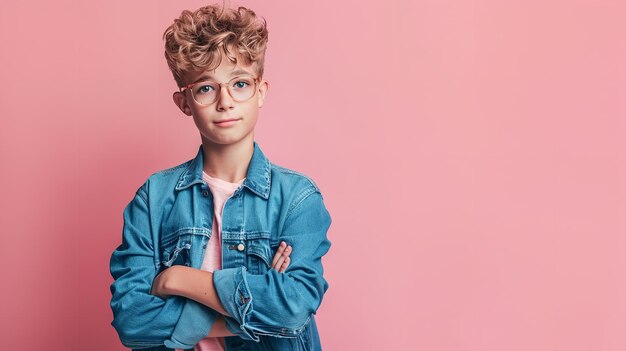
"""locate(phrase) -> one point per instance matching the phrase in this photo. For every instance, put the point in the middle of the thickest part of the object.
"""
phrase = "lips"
(227, 120)
(226, 123)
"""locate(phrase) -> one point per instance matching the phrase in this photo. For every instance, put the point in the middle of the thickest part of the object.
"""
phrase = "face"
(206, 118)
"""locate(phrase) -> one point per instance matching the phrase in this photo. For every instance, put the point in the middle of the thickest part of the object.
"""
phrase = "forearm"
(283, 303)
(197, 285)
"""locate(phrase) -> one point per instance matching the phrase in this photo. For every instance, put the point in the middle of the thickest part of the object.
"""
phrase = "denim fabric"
(168, 222)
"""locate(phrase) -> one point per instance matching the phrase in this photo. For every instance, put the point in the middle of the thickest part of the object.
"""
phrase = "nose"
(224, 100)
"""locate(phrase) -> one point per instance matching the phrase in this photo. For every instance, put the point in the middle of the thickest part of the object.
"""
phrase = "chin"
(226, 139)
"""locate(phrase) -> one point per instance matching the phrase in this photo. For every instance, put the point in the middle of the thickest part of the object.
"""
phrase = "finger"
(279, 262)
(279, 252)
(287, 251)
(281, 259)
(285, 264)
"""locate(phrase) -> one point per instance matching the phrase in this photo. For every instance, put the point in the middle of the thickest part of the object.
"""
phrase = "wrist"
(171, 284)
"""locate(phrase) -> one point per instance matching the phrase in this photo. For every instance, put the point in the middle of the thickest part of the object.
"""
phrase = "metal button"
(241, 247)
(205, 193)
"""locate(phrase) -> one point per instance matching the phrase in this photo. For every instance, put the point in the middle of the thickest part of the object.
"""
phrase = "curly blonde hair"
(195, 40)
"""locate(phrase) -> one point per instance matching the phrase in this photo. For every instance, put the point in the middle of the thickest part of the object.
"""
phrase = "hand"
(159, 284)
(281, 258)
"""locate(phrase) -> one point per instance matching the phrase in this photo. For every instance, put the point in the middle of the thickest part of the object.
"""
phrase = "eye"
(204, 89)
(240, 84)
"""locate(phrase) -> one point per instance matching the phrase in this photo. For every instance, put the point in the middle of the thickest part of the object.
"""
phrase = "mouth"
(226, 122)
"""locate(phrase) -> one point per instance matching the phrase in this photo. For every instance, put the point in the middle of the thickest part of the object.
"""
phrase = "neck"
(227, 162)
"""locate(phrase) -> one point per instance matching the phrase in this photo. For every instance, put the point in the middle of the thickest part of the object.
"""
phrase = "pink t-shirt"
(221, 190)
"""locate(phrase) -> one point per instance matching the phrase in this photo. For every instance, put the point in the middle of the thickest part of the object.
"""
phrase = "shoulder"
(164, 179)
(172, 171)
(297, 192)
(294, 184)
(286, 175)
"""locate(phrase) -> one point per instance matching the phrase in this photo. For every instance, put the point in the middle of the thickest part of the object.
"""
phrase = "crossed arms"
(198, 285)
(283, 301)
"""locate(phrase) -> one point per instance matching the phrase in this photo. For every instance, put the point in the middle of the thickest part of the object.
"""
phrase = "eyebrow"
(233, 73)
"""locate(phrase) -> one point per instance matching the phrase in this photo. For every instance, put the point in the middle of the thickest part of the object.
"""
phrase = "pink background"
(471, 154)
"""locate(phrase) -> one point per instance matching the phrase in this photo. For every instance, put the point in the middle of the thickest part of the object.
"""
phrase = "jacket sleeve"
(141, 319)
(280, 304)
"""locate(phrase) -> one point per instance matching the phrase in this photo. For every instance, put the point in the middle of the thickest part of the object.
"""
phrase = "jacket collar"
(258, 177)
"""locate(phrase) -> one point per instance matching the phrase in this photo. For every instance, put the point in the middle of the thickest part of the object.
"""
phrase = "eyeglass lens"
(240, 88)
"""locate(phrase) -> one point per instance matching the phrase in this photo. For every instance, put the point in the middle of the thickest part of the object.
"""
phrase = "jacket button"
(240, 247)
(205, 193)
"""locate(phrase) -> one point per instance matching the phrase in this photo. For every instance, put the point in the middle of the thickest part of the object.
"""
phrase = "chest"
(248, 226)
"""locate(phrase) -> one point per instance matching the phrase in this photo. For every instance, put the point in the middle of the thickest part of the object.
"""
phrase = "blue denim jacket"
(168, 222)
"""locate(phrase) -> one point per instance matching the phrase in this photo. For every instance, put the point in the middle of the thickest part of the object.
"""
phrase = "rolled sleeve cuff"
(234, 294)
(194, 324)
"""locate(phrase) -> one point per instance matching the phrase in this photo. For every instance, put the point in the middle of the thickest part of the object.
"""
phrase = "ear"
(181, 101)
(264, 87)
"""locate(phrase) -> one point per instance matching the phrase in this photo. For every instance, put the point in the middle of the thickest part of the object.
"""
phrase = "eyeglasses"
(206, 92)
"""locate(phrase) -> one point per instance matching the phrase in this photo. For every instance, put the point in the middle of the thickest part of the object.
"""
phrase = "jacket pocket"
(176, 250)
(259, 255)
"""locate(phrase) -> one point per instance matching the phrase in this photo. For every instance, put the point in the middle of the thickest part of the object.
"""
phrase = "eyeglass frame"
(256, 81)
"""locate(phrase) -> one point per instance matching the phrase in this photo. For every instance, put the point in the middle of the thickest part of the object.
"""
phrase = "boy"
(195, 268)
